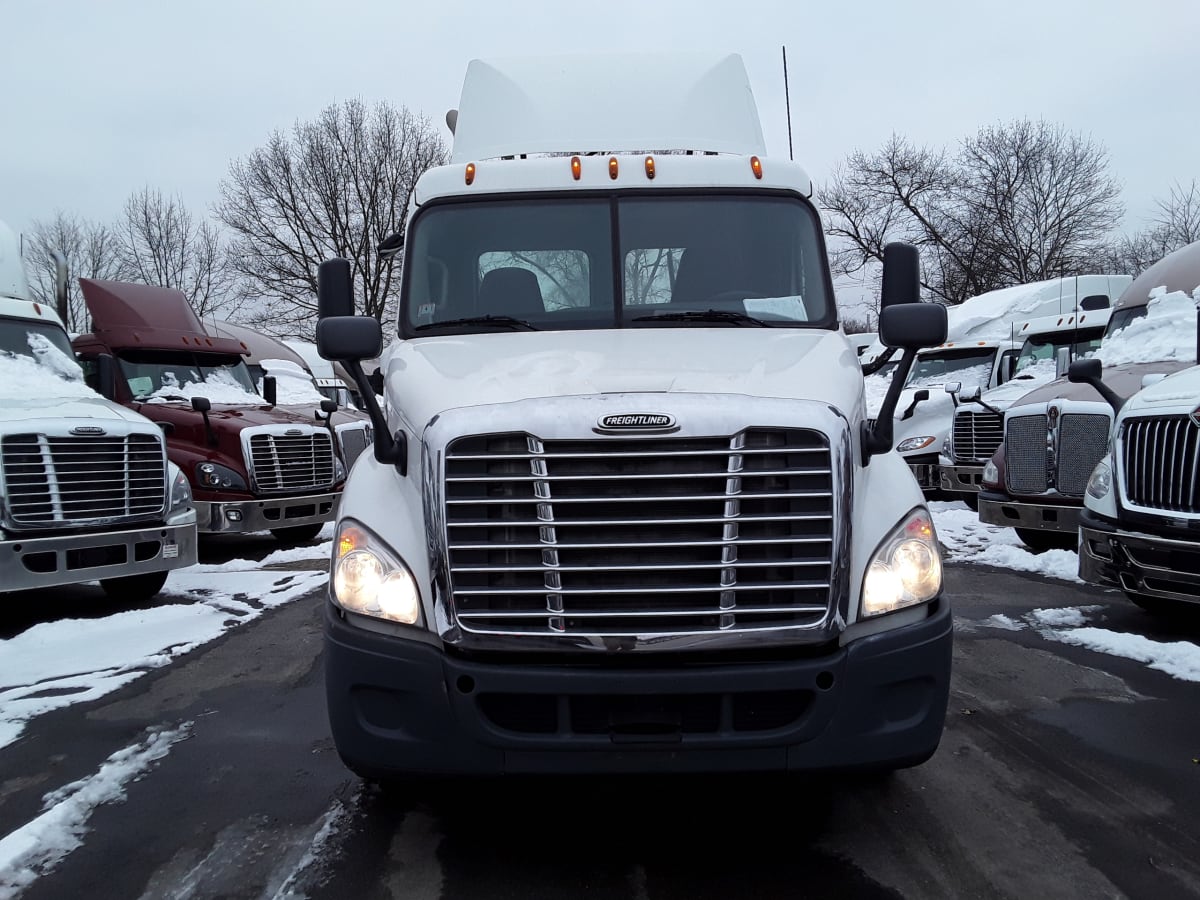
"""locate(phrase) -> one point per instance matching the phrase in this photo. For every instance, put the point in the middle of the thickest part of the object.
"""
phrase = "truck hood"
(97, 409)
(1179, 390)
(1125, 380)
(426, 376)
(227, 418)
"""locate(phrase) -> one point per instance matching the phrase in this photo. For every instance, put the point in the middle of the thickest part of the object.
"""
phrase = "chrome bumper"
(1140, 563)
(38, 562)
(961, 479)
(1040, 516)
(244, 516)
(926, 475)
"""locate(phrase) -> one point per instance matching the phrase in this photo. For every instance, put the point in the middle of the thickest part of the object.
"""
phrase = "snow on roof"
(991, 316)
(1167, 332)
(595, 103)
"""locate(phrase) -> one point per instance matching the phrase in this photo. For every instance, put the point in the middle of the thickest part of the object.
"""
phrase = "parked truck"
(1055, 435)
(985, 336)
(253, 466)
(86, 490)
(610, 523)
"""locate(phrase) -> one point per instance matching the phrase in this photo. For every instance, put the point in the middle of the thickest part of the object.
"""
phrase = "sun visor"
(146, 316)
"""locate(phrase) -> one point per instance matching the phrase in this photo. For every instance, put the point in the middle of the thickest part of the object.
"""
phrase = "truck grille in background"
(977, 435)
(640, 536)
(75, 480)
(284, 462)
(1082, 443)
(353, 441)
(1161, 462)
(1026, 455)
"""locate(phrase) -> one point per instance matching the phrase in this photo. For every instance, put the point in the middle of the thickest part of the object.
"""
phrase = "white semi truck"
(86, 491)
(624, 510)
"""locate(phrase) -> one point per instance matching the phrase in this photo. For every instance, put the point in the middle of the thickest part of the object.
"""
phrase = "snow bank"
(293, 385)
(1166, 332)
(966, 539)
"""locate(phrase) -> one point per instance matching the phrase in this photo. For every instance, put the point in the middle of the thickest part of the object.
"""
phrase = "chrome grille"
(353, 439)
(640, 536)
(1161, 463)
(291, 462)
(1026, 455)
(1082, 443)
(977, 435)
(55, 481)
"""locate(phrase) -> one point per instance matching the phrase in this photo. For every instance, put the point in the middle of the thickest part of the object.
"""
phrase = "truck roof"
(261, 346)
(148, 317)
(14, 308)
(1085, 318)
(1178, 271)
(618, 103)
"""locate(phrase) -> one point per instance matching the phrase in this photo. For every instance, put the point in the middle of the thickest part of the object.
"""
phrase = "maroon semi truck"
(253, 466)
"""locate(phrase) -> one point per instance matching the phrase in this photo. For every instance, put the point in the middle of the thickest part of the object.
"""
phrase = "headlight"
(991, 474)
(216, 477)
(915, 443)
(181, 491)
(1100, 483)
(369, 579)
(906, 569)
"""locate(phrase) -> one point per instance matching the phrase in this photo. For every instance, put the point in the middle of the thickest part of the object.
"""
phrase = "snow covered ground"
(966, 539)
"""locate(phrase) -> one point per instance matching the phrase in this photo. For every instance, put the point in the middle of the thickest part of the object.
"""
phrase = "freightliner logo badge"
(88, 429)
(637, 422)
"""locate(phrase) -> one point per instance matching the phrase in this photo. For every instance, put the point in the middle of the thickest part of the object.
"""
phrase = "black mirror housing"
(201, 404)
(349, 337)
(329, 406)
(913, 326)
(270, 390)
(335, 288)
(1084, 371)
(901, 276)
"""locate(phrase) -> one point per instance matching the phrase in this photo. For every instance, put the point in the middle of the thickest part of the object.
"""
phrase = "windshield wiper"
(502, 321)
(708, 315)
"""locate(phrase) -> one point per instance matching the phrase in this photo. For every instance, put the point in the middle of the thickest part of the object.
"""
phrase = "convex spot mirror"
(913, 326)
(953, 387)
(970, 394)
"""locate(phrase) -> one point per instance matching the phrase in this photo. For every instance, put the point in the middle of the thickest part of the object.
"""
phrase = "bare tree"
(1015, 203)
(92, 250)
(163, 244)
(336, 186)
(1175, 224)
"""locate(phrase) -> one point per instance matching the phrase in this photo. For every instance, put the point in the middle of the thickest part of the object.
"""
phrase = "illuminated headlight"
(216, 477)
(915, 443)
(905, 570)
(181, 491)
(370, 580)
(1100, 483)
(991, 474)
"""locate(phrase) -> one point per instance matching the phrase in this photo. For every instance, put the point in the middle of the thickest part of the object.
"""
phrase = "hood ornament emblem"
(622, 422)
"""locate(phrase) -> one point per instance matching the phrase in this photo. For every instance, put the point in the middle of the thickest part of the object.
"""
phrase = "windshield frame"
(983, 353)
(621, 319)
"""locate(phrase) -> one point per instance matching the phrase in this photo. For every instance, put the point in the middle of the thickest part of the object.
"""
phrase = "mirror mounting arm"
(879, 439)
(390, 449)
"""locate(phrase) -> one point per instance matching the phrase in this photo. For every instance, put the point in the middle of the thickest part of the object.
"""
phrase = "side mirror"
(1062, 361)
(391, 245)
(953, 387)
(971, 394)
(1094, 301)
(335, 291)
(1089, 371)
(913, 326)
(1008, 367)
(901, 277)
(105, 370)
(349, 337)
(329, 406)
(270, 390)
(201, 404)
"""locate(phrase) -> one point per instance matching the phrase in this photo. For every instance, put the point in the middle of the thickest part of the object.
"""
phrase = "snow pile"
(218, 386)
(990, 316)
(1166, 332)
(966, 539)
(875, 389)
(48, 373)
(293, 385)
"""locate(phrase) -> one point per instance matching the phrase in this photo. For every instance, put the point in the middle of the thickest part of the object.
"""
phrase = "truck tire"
(135, 588)
(297, 534)
(1041, 541)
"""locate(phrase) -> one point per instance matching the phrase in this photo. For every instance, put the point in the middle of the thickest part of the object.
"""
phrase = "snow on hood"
(218, 387)
(1167, 332)
(1041, 372)
(47, 374)
(426, 376)
(1180, 388)
(293, 385)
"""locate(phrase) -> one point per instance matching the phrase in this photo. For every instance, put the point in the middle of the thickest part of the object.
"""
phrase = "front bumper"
(244, 516)
(38, 562)
(961, 478)
(399, 706)
(997, 509)
(1139, 563)
(924, 467)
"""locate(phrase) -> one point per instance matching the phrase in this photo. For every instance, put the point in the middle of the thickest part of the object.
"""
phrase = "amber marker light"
(348, 542)
(756, 167)
(576, 168)
(650, 167)
(470, 172)
(612, 168)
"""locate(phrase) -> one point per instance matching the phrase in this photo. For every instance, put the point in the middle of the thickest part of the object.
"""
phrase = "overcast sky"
(102, 98)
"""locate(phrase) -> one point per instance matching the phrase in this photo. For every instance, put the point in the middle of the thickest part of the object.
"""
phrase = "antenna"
(787, 102)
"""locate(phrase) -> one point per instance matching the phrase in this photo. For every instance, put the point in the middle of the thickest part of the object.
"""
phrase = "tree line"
(1016, 202)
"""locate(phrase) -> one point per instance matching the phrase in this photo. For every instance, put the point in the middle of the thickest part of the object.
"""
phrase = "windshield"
(1122, 317)
(1038, 347)
(37, 362)
(157, 376)
(550, 264)
(971, 367)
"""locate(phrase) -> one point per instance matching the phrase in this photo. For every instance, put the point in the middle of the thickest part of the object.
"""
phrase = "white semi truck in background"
(86, 491)
(624, 510)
